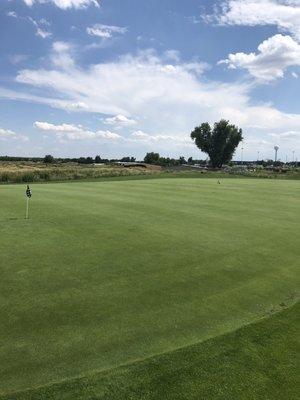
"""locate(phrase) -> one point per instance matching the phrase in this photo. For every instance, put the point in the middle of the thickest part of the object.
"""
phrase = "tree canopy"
(218, 142)
(48, 159)
(151, 158)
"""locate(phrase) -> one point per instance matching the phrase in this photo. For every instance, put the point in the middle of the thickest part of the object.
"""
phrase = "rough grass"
(258, 361)
(292, 173)
(17, 172)
(106, 273)
(28, 172)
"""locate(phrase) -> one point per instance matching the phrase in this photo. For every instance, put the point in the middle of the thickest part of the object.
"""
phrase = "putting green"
(106, 273)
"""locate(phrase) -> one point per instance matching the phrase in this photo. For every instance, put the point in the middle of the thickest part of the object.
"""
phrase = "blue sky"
(124, 77)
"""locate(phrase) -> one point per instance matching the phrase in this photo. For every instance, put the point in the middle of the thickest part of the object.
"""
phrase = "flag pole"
(27, 208)
(28, 195)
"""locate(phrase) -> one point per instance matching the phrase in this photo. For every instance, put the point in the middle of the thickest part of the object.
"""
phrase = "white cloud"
(61, 56)
(40, 31)
(274, 56)
(109, 135)
(140, 135)
(74, 132)
(46, 126)
(120, 120)
(156, 89)
(105, 31)
(40, 25)
(295, 75)
(64, 4)
(285, 14)
(43, 33)
(6, 134)
(167, 103)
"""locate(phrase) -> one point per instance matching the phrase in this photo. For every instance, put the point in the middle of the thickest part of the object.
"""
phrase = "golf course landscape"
(148, 288)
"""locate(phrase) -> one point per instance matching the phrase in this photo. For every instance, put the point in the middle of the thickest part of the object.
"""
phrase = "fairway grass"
(108, 273)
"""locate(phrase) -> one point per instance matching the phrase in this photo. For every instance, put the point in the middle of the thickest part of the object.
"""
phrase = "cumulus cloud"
(7, 134)
(285, 14)
(65, 4)
(120, 120)
(74, 132)
(109, 135)
(274, 56)
(104, 87)
(167, 103)
(140, 135)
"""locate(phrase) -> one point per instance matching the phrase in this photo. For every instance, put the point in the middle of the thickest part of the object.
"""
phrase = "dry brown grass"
(37, 172)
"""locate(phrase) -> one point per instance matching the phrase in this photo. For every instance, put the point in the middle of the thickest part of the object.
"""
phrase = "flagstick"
(27, 208)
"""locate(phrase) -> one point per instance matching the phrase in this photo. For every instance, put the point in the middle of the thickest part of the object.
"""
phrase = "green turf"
(107, 273)
(256, 362)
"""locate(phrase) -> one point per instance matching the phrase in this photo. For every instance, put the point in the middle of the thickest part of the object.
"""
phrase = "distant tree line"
(32, 159)
(150, 158)
(155, 158)
(49, 159)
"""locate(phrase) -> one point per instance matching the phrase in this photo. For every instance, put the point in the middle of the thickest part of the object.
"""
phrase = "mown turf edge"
(257, 361)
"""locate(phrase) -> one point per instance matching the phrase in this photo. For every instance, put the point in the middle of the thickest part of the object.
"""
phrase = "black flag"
(28, 192)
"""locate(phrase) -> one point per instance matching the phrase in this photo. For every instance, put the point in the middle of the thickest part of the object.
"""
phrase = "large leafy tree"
(218, 142)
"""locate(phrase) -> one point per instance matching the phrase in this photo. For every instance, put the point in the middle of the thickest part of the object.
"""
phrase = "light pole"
(293, 156)
(242, 155)
(257, 155)
(276, 148)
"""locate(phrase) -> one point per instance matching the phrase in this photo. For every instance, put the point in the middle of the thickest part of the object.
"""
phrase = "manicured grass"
(258, 361)
(106, 273)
